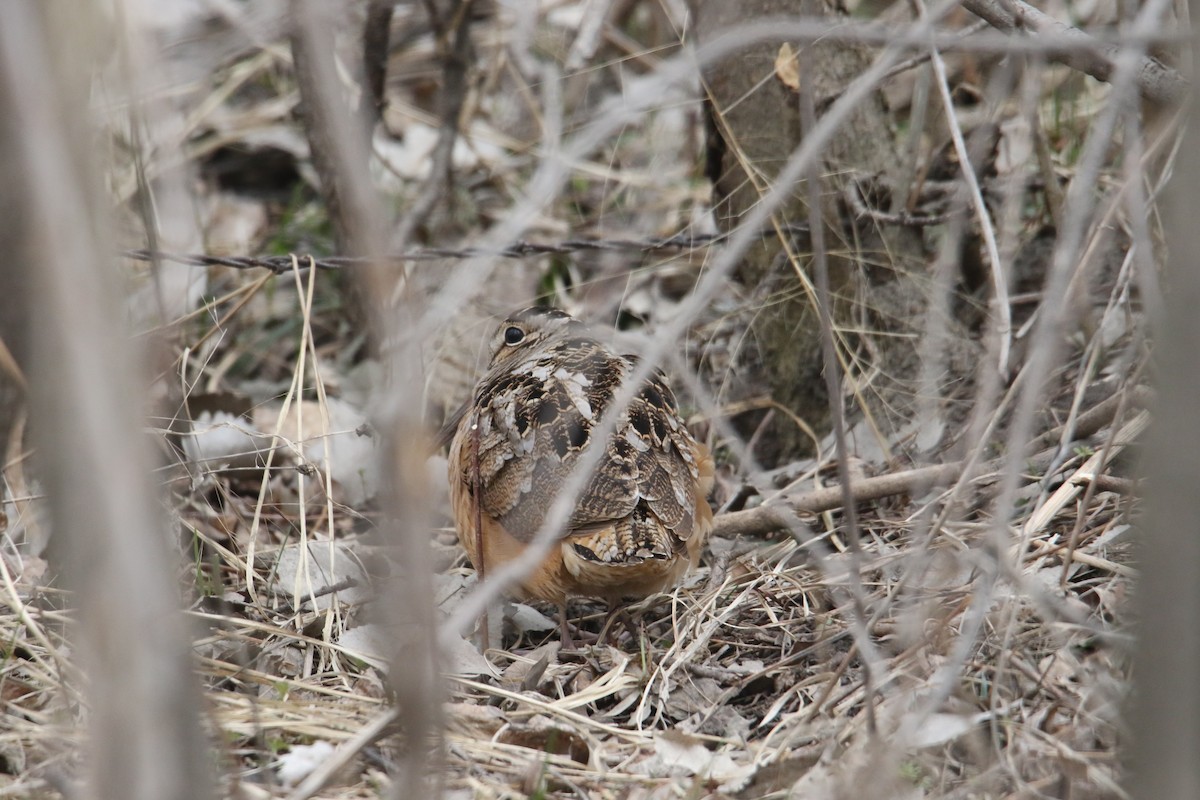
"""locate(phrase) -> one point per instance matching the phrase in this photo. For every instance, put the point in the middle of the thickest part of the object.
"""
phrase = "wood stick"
(779, 515)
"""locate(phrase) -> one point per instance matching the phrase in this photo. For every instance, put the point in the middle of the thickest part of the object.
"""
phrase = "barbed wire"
(519, 249)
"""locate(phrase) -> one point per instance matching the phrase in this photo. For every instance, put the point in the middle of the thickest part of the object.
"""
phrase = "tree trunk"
(754, 128)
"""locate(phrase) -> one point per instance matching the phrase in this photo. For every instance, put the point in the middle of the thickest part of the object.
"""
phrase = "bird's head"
(531, 330)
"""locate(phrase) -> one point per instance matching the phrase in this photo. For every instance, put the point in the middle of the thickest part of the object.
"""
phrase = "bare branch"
(779, 515)
(1155, 82)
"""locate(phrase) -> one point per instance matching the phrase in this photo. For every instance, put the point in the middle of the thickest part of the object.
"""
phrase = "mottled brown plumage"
(642, 518)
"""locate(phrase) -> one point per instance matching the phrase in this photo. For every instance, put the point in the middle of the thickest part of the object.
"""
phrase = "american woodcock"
(641, 520)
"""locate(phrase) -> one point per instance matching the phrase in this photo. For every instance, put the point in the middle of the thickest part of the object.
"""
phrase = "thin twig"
(837, 411)
(1000, 303)
(456, 57)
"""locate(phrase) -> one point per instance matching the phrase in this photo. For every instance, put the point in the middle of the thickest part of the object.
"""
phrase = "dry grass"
(974, 644)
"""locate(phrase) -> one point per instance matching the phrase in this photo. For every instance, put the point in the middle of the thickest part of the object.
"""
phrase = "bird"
(642, 518)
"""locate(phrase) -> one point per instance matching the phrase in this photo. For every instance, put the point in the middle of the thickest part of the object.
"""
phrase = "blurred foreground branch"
(1166, 691)
(145, 739)
(406, 605)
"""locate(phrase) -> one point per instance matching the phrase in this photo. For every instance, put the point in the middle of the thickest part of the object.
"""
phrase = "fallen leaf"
(367, 643)
(526, 672)
(473, 720)
(941, 728)
(462, 659)
(679, 754)
(787, 67)
(312, 572)
(526, 618)
(540, 734)
(298, 762)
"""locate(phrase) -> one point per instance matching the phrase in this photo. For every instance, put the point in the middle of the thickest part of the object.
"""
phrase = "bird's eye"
(513, 335)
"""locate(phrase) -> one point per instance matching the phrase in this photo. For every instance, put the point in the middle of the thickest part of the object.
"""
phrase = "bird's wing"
(535, 420)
